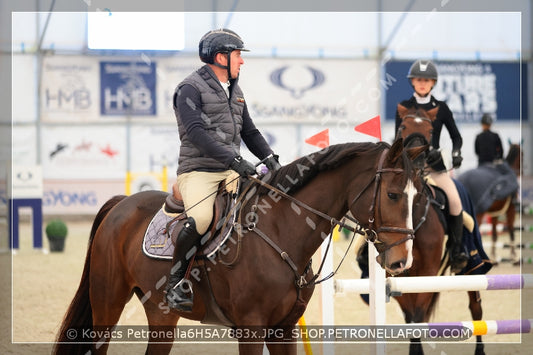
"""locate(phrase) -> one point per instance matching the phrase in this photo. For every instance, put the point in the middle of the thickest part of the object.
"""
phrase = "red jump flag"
(372, 127)
(320, 139)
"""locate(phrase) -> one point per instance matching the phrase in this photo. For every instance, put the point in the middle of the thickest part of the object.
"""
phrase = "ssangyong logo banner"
(469, 88)
(299, 90)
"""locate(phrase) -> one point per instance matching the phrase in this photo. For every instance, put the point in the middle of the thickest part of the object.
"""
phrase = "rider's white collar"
(422, 99)
(225, 86)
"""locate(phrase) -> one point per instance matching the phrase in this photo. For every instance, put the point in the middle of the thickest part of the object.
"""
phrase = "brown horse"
(269, 281)
(416, 129)
(417, 125)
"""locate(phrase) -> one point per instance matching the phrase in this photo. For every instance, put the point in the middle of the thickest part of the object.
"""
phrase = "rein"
(369, 233)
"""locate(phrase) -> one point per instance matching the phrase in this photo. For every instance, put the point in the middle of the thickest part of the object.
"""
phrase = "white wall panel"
(90, 152)
(24, 89)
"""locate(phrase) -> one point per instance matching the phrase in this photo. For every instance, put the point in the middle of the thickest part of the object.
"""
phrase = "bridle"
(415, 117)
(372, 210)
(370, 233)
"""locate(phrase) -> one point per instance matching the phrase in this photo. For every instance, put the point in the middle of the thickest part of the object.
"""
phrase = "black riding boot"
(179, 289)
(458, 257)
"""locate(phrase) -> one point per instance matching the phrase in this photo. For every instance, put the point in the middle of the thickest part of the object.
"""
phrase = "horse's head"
(417, 125)
(391, 201)
(515, 156)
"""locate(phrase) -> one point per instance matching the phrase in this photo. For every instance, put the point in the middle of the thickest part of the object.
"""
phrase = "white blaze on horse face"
(410, 191)
(418, 120)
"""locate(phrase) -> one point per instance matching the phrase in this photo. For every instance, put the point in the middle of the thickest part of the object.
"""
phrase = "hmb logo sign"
(128, 88)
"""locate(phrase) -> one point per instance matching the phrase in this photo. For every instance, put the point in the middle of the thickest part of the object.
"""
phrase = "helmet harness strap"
(228, 67)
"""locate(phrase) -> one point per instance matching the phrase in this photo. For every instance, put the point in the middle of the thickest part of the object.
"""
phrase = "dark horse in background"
(269, 281)
(494, 187)
(429, 221)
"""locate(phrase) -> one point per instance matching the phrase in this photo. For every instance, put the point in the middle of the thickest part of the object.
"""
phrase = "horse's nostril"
(399, 265)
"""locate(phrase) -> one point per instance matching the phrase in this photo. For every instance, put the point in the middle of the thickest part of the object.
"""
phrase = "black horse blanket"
(478, 261)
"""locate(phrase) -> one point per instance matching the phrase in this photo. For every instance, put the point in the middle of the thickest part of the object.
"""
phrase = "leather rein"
(370, 233)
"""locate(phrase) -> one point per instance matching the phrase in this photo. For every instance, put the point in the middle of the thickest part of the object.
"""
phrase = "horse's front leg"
(477, 314)
(281, 341)
(252, 348)
(253, 340)
(278, 340)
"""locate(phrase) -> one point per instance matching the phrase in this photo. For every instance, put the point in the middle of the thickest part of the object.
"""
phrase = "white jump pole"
(419, 284)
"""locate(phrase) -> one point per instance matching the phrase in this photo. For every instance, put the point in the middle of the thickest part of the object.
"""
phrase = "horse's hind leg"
(494, 223)
(108, 301)
(161, 323)
(477, 314)
(510, 217)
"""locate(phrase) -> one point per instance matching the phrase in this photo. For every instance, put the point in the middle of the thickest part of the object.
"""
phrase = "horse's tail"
(78, 319)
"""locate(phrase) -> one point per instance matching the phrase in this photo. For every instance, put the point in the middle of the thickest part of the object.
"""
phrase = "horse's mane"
(291, 177)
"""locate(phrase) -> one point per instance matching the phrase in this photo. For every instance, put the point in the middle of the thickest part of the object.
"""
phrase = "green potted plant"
(56, 232)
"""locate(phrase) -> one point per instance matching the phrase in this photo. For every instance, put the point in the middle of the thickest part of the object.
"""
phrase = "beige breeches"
(445, 182)
(198, 190)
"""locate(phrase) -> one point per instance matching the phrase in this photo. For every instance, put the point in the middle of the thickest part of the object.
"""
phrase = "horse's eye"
(393, 196)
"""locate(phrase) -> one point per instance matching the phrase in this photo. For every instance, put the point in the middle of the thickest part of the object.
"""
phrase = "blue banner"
(469, 88)
(128, 88)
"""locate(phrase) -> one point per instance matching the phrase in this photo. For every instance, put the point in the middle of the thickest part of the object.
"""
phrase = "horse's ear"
(396, 150)
(432, 114)
(402, 110)
(414, 152)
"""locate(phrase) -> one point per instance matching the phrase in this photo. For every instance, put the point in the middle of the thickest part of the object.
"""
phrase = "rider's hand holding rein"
(242, 166)
(272, 162)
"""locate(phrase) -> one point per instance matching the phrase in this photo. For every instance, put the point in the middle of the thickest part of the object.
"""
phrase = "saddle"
(163, 230)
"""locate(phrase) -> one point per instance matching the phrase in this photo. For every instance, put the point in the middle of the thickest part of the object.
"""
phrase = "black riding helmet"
(219, 41)
(423, 69)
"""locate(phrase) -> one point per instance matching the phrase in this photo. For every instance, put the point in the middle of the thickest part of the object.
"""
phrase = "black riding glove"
(243, 167)
(457, 159)
(272, 162)
(433, 157)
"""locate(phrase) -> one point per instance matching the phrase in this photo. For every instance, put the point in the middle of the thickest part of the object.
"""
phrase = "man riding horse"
(212, 119)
